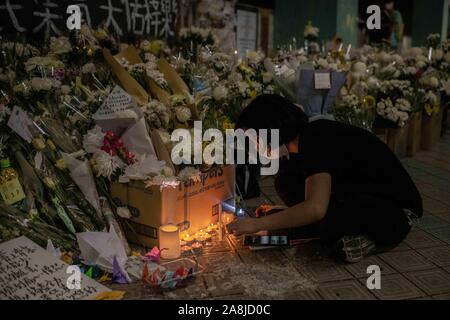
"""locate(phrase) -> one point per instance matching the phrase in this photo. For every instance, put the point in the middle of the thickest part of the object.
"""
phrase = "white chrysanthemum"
(403, 105)
(144, 167)
(254, 57)
(220, 92)
(93, 140)
(105, 165)
(43, 84)
(43, 62)
(60, 45)
(189, 173)
(183, 114)
(162, 182)
(157, 114)
(88, 68)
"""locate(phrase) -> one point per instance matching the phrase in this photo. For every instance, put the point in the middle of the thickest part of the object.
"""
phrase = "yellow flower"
(432, 109)
(110, 295)
(61, 164)
(227, 124)
(39, 144)
(369, 101)
(253, 94)
(51, 145)
(49, 183)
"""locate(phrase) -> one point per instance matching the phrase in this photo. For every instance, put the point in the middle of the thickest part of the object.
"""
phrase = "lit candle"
(169, 241)
(188, 239)
(186, 249)
(200, 238)
(227, 217)
(208, 237)
(212, 228)
(197, 247)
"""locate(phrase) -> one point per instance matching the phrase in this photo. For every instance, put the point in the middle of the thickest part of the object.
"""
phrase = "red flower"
(110, 135)
(109, 150)
(130, 157)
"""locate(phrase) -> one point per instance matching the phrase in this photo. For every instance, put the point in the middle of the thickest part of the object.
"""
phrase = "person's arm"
(313, 209)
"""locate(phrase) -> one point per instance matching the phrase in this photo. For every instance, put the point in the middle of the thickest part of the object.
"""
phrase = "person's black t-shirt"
(357, 161)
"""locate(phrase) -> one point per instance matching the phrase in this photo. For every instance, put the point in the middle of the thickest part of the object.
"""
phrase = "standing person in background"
(378, 37)
(397, 25)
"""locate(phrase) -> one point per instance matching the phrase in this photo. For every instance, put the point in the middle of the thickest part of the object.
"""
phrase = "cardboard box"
(431, 130)
(192, 205)
(396, 139)
(414, 134)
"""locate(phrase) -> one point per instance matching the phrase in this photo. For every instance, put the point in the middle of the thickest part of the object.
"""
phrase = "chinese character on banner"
(47, 24)
(168, 17)
(10, 8)
(155, 16)
(110, 20)
(138, 20)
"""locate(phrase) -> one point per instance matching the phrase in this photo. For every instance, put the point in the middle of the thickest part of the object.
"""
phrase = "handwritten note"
(116, 105)
(322, 81)
(28, 272)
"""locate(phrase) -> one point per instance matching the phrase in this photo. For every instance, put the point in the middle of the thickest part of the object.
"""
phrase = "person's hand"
(243, 226)
(262, 210)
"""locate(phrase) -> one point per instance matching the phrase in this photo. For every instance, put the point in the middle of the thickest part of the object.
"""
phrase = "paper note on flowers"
(28, 272)
(118, 104)
(120, 114)
(21, 124)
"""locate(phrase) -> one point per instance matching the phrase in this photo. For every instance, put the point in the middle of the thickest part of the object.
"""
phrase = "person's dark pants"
(349, 213)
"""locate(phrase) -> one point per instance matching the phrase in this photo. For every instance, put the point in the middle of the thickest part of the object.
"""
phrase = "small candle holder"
(197, 248)
(186, 250)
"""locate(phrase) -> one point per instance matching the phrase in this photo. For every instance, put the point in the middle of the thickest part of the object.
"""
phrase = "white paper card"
(118, 104)
(21, 123)
(322, 80)
(28, 272)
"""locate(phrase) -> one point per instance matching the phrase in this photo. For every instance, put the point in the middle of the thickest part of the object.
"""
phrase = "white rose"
(220, 92)
(433, 82)
(183, 114)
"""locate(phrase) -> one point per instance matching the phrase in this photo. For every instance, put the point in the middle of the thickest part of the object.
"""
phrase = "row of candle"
(175, 244)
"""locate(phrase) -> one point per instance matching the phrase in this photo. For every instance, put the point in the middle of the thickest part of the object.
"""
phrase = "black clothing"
(370, 187)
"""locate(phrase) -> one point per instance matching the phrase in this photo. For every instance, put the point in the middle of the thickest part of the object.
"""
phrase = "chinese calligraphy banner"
(124, 18)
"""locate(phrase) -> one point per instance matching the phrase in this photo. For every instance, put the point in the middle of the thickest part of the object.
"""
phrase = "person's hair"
(271, 111)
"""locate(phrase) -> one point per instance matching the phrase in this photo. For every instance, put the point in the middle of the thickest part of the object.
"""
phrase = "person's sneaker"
(356, 248)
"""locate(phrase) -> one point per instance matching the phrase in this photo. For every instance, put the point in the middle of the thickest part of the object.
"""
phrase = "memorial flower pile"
(69, 141)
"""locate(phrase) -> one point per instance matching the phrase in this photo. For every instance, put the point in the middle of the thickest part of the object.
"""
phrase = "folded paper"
(100, 248)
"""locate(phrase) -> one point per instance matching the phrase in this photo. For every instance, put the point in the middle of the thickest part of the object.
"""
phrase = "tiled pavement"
(419, 268)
